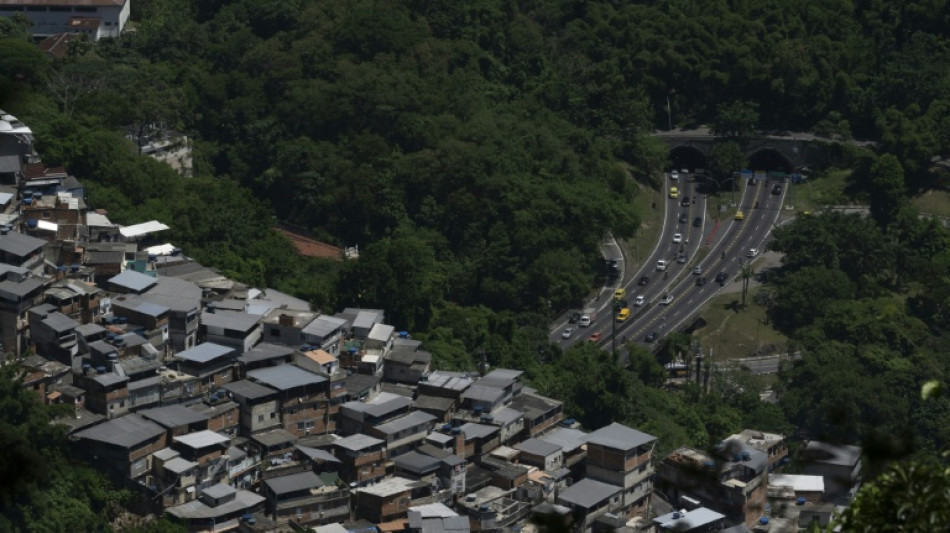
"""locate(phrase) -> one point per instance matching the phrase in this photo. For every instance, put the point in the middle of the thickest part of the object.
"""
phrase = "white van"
(661, 264)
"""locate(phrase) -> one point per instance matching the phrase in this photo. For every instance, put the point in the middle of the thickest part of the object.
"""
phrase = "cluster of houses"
(232, 408)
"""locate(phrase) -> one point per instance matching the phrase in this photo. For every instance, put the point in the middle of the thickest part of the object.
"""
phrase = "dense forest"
(478, 152)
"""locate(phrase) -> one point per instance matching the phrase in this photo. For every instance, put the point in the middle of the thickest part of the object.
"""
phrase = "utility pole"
(669, 113)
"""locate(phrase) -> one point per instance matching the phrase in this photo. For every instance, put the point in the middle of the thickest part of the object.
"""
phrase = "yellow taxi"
(674, 192)
(620, 293)
(739, 215)
(623, 315)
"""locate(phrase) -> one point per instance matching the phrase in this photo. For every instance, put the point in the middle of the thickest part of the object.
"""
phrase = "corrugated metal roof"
(243, 502)
(126, 431)
(381, 333)
(249, 389)
(316, 454)
(417, 463)
(265, 351)
(294, 483)
(411, 420)
(59, 322)
(173, 416)
(357, 442)
(232, 320)
(144, 228)
(179, 465)
(204, 352)
(620, 437)
(285, 377)
(568, 439)
(201, 439)
(132, 280)
(535, 446)
(20, 245)
(323, 326)
(477, 431)
(587, 493)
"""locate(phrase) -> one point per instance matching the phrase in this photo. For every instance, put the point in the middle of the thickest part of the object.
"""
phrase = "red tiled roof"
(34, 171)
(312, 248)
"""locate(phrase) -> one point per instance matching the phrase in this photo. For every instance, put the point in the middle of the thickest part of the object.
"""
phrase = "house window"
(46, 214)
(273, 415)
(299, 426)
(260, 418)
(275, 332)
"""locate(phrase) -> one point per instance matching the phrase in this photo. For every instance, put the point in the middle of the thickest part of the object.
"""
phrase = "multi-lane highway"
(712, 245)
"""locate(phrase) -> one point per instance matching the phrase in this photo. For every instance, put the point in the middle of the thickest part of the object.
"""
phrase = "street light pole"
(669, 114)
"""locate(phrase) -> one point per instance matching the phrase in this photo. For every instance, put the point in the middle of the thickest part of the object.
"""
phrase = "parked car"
(698, 270)
(643, 281)
(566, 334)
(594, 337)
(753, 252)
(652, 336)
(681, 259)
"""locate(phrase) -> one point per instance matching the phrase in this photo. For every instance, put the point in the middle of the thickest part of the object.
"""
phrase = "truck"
(587, 316)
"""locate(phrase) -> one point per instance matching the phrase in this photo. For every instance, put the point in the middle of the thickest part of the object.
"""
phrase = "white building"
(94, 18)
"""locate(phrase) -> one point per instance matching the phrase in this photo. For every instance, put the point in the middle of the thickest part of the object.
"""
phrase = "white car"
(567, 333)
(584, 321)
(752, 252)
(666, 300)
(677, 238)
(674, 176)
(639, 300)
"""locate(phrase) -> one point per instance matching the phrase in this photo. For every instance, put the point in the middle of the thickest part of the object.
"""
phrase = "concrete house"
(700, 520)
(539, 453)
(130, 282)
(53, 333)
(363, 458)
(183, 301)
(19, 291)
(838, 464)
(240, 331)
(260, 409)
(305, 499)
(178, 420)
(218, 508)
(622, 456)
(405, 432)
(357, 417)
(285, 326)
(772, 445)
(209, 362)
(540, 413)
(264, 355)
(302, 396)
(75, 299)
(121, 446)
(589, 499)
(148, 319)
(209, 450)
(385, 501)
(17, 249)
(94, 18)
(406, 363)
(326, 333)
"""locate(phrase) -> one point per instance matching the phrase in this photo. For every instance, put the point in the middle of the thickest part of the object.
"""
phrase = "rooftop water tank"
(101, 369)
(800, 501)
(764, 520)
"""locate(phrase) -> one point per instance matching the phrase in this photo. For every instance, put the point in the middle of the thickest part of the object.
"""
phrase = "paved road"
(715, 246)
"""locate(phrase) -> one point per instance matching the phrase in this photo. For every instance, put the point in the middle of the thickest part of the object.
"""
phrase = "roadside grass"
(830, 188)
(651, 223)
(733, 332)
(933, 202)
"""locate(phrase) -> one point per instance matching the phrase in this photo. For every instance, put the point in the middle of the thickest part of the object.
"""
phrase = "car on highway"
(623, 315)
(574, 318)
(753, 181)
(739, 215)
(753, 252)
(777, 189)
(700, 281)
(661, 264)
(652, 336)
(721, 277)
(667, 299)
(698, 270)
(681, 258)
(620, 293)
(684, 217)
(584, 321)
(674, 192)
(674, 175)
(567, 333)
(639, 300)
(685, 201)
(595, 336)
(643, 280)
(677, 238)
(697, 222)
